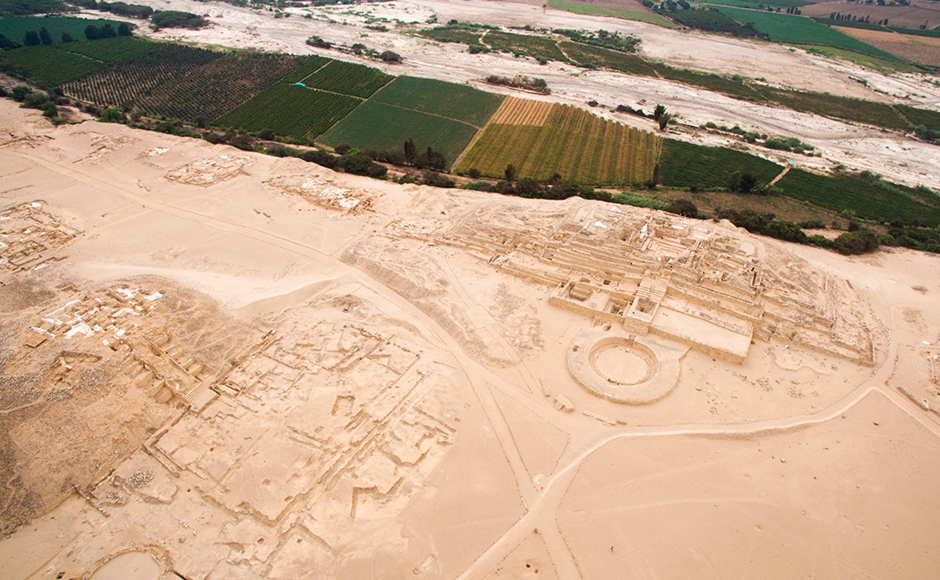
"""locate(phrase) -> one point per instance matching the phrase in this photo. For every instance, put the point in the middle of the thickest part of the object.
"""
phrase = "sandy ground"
(907, 161)
(309, 374)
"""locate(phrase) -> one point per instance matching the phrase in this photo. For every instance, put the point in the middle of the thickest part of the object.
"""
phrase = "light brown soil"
(355, 389)
(917, 14)
(920, 49)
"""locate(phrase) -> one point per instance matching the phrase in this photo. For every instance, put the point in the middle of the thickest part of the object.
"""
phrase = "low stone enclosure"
(624, 368)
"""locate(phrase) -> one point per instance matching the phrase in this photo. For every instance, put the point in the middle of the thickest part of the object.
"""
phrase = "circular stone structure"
(622, 368)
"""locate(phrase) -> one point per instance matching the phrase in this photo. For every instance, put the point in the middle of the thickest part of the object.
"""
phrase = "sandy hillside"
(218, 364)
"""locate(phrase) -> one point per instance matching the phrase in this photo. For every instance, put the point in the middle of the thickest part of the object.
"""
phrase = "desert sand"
(219, 364)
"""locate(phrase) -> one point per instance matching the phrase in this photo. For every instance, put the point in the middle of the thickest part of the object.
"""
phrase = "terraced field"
(384, 127)
(581, 147)
(457, 102)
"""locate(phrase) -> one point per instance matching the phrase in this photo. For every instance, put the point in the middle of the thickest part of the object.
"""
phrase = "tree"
(31, 39)
(510, 172)
(410, 152)
(747, 183)
(112, 115)
(45, 37)
(6, 43)
(658, 112)
(66, 37)
(124, 30)
(664, 120)
(91, 32)
(390, 57)
(107, 31)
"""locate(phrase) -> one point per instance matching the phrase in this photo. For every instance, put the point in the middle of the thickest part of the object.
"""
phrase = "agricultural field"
(184, 83)
(799, 29)
(457, 102)
(15, 27)
(686, 165)
(874, 200)
(923, 50)
(627, 9)
(516, 111)
(292, 111)
(123, 83)
(761, 3)
(929, 119)
(312, 65)
(385, 127)
(51, 65)
(581, 147)
(346, 78)
(215, 88)
(918, 13)
(111, 50)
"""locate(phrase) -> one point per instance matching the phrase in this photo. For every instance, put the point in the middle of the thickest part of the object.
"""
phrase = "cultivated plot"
(581, 147)
(457, 102)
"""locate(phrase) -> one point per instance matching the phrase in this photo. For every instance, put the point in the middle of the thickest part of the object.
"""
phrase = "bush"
(390, 57)
(473, 173)
(435, 179)
(176, 19)
(317, 42)
(343, 149)
(360, 164)
(683, 207)
(112, 115)
(20, 92)
(320, 158)
(860, 241)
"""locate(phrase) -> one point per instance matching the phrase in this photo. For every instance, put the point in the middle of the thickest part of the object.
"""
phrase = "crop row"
(122, 83)
(457, 102)
(288, 110)
(51, 65)
(688, 165)
(347, 78)
(516, 111)
(384, 127)
(581, 147)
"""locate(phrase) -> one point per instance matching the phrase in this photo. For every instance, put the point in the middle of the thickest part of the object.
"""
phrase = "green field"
(348, 78)
(51, 65)
(876, 200)
(581, 147)
(445, 34)
(799, 30)
(15, 27)
(882, 65)
(686, 165)
(760, 3)
(879, 114)
(626, 14)
(288, 110)
(929, 119)
(385, 127)
(111, 50)
(308, 68)
(457, 102)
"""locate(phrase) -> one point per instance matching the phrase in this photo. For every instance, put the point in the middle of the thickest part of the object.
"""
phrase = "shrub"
(112, 115)
(683, 207)
(858, 242)
(320, 158)
(435, 179)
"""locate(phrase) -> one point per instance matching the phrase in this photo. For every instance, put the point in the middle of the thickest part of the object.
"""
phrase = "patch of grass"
(384, 127)
(289, 110)
(878, 114)
(348, 78)
(457, 102)
(527, 44)
(873, 62)
(799, 30)
(445, 34)
(929, 119)
(604, 57)
(688, 165)
(626, 14)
